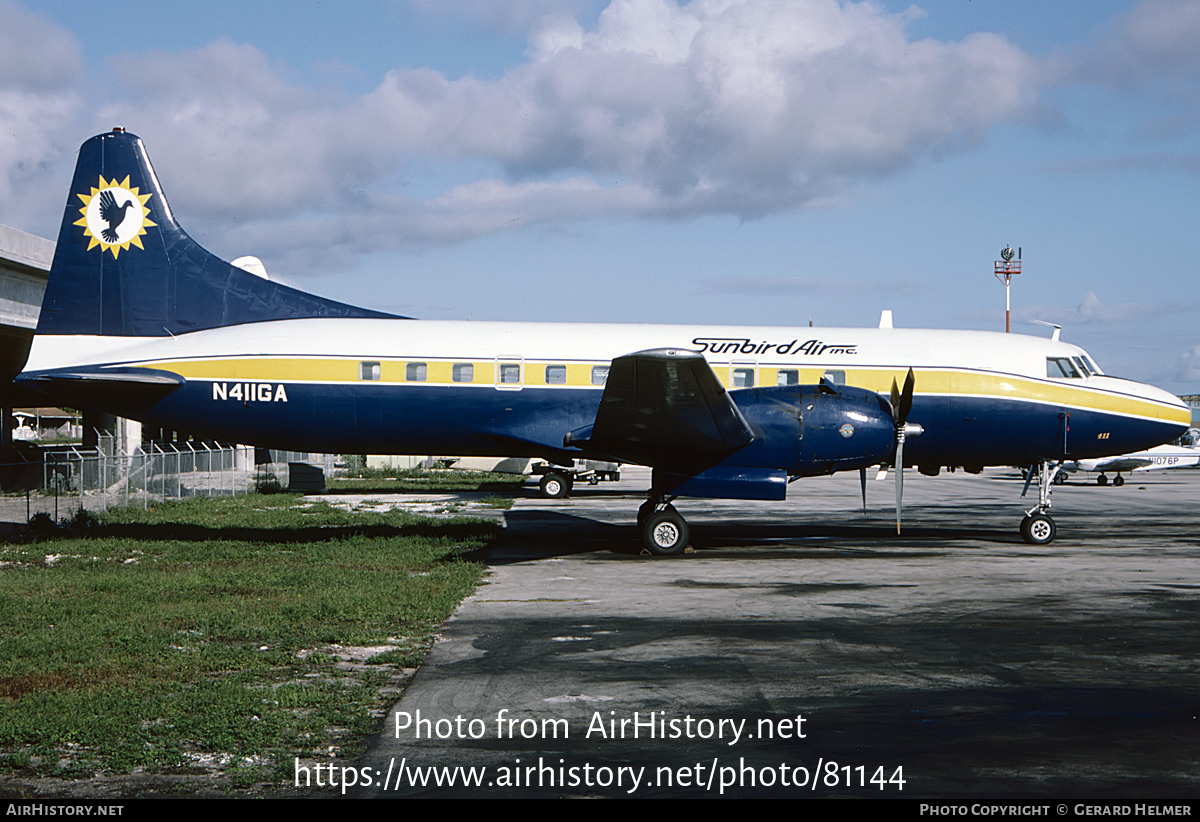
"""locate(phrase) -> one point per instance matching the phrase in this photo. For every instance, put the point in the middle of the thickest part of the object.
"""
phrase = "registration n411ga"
(249, 392)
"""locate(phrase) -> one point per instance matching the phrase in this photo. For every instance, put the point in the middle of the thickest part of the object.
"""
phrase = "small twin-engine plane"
(1181, 454)
(140, 321)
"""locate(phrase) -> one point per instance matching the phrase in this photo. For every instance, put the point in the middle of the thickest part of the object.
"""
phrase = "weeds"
(419, 479)
(216, 630)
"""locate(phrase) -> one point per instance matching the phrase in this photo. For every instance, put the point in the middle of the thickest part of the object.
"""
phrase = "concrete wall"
(24, 265)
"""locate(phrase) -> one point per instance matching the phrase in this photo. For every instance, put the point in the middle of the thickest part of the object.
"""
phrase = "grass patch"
(217, 628)
(416, 480)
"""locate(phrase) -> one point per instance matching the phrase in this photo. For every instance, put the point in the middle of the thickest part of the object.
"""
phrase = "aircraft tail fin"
(124, 267)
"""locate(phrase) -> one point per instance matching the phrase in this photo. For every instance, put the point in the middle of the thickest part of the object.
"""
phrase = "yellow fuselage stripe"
(935, 381)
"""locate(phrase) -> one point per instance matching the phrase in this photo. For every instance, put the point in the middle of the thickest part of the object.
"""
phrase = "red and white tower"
(1006, 267)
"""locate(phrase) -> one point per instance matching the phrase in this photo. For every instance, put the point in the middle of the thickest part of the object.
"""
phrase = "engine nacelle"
(799, 431)
(809, 430)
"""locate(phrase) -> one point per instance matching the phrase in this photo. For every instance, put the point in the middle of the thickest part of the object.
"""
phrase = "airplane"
(142, 322)
(1184, 453)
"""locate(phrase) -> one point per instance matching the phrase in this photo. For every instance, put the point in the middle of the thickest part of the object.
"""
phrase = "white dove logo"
(115, 216)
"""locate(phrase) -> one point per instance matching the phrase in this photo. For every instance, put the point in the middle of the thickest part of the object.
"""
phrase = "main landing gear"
(556, 485)
(1118, 480)
(1038, 528)
(664, 531)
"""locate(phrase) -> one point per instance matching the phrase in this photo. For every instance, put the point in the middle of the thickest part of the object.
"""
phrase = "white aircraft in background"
(1184, 453)
(140, 321)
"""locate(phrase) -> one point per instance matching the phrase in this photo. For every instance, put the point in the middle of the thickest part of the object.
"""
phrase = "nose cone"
(1173, 407)
(1139, 416)
(847, 430)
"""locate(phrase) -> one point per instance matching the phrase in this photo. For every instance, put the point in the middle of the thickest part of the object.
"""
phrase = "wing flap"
(664, 408)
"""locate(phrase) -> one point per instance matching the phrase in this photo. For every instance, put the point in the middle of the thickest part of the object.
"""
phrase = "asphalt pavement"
(804, 649)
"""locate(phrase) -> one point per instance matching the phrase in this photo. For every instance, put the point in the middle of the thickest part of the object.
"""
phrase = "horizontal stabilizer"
(123, 390)
(139, 376)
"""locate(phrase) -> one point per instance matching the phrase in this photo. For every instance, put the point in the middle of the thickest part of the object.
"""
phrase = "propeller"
(901, 405)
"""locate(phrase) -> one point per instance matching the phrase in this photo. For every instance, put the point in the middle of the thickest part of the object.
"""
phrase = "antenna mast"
(1006, 267)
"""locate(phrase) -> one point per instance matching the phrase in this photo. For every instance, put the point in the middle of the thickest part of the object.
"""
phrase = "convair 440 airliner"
(140, 321)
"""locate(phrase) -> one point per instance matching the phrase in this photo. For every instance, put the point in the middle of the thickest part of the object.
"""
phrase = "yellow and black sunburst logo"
(115, 216)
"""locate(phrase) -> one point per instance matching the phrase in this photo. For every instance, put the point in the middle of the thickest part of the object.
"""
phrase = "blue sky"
(740, 161)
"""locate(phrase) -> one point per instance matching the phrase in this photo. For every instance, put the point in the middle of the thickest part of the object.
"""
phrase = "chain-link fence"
(74, 477)
(60, 481)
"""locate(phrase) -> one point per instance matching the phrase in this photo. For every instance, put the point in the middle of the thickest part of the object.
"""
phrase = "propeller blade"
(1028, 478)
(862, 481)
(882, 473)
(901, 405)
(906, 395)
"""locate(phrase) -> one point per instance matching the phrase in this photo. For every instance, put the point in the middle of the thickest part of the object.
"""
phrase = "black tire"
(665, 533)
(1102, 480)
(1060, 478)
(555, 485)
(1118, 480)
(1038, 529)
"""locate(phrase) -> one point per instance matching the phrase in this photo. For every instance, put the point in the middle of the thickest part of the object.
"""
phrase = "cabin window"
(415, 372)
(836, 377)
(462, 372)
(368, 371)
(788, 376)
(599, 374)
(743, 378)
(510, 373)
(556, 375)
(1060, 367)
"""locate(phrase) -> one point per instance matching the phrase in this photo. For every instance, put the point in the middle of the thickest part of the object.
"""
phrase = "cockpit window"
(1060, 367)
(1083, 366)
(1091, 365)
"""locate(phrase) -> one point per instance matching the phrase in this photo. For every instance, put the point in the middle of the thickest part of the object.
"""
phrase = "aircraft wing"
(1127, 463)
(665, 408)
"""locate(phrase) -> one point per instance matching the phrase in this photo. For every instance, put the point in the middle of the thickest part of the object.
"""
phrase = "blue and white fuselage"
(514, 389)
(140, 321)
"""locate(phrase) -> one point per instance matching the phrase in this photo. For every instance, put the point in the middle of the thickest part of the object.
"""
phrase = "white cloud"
(506, 16)
(39, 69)
(1189, 367)
(1091, 310)
(36, 54)
(235, 128)
(721, 106)
(1159, 37)
(759, 287)
(657, 108)
(1149, 49)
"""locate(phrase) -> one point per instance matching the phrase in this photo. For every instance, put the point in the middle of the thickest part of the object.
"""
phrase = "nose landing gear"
(1038, 527)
